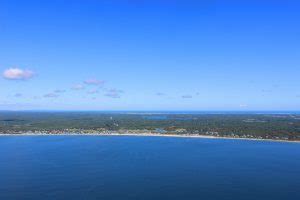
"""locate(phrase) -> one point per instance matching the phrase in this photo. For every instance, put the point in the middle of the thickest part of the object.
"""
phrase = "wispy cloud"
(18, 74)
(160, 94)
(187, 96)
(114, 93)
(18, 95)
(93, 82)
(59, 91)
(266, 91)
(243, 105)
(78, 87)
(114, 90)
(51, 95)
(93, 92)
(36, 97)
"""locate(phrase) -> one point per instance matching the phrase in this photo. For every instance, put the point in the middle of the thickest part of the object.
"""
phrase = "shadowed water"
(121, 167)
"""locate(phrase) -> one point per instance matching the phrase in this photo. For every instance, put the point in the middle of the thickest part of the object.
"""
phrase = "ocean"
(148, 168)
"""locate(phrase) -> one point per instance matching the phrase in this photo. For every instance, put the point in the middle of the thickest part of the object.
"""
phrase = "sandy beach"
(151, 135)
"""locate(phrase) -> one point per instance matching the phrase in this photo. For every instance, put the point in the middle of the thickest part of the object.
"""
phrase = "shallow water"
(128, 167)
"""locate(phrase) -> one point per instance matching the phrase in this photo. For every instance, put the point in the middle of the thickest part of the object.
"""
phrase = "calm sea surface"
(121, 168)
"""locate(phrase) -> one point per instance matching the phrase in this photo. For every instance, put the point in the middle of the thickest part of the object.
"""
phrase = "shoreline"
(150, 135)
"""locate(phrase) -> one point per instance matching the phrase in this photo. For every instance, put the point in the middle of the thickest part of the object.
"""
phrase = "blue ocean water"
(121, 168)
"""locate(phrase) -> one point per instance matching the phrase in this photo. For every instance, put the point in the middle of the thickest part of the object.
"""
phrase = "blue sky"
(149, 55)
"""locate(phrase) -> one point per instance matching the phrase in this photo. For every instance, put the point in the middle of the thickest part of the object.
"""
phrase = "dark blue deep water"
(150, 168)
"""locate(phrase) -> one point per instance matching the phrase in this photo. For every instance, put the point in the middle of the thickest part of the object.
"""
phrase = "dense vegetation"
(281, 126)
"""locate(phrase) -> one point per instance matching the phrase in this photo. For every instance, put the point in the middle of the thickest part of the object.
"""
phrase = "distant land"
(253, 125)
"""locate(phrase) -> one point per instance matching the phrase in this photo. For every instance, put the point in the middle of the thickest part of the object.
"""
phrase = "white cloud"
(160, 94)
(94, 82)
(266, 91)
(114, 90)
(59, 91)
(78, 87)
(243, 105)
(51, 95)
(17, 74)
(114, 93)
(18, 95)
(36, 97)
(93, 92)
(187, 96)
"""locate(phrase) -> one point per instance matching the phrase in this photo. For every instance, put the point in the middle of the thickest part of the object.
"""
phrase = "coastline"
(151, 135)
